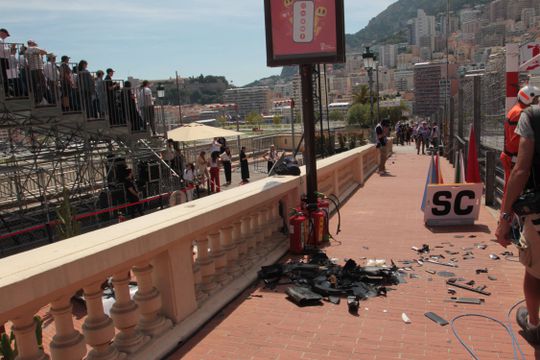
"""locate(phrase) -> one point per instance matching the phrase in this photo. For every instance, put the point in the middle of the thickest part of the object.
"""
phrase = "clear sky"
(152, 39)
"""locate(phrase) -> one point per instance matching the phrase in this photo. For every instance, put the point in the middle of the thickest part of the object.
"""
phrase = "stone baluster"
(262, 227)
(148, 298)
(219, 257)
(98, 328)
(231, 250)
(274, 238)
(24, 328)
(249, 239)
(197, 276)
(241, 244)
(125, 314)
(206, 266)
(256, 234)
(268, 223)
(67, 343)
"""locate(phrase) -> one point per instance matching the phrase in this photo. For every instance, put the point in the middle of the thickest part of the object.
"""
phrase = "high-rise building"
(514, 8)
(528, 17)
(388, 55)
(354, 63)
(404, 80)
(429, 84)
(468, 15)
(424, 27)
(497, 10)
(250, 99)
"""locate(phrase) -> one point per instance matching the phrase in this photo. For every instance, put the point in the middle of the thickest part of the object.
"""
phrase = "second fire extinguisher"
(298, 232)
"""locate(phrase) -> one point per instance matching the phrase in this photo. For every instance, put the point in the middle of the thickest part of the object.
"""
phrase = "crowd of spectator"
(31, 71)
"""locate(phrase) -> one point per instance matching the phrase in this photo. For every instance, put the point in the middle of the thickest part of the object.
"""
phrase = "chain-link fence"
(480, 102)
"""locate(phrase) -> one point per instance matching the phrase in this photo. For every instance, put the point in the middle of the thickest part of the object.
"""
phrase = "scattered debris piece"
(450, 264)
(334, 299)
(507, 253)
(385, 311)
(482, 271)
(472, 236)
(468, 257)
(302, 296)
(494, 257)
(451, 291)
(365, 247)
(352, 303)
(424, 249)
(451, 252)
(463, 300)
(405, 318)
(439, 247)
(446, 274)
(459, 236)
(376, 262)
(420, 262)
(481, 246)
(436, 318)
(431, 272)
(470, 283)
(492, 278)
(454, 282)
(413, 276)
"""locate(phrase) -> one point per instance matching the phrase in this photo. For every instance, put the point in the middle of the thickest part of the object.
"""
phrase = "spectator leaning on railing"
(52, 75)
(34, 56)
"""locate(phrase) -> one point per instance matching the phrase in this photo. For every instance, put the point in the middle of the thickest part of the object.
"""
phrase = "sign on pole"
(304, 32)
(452, 204)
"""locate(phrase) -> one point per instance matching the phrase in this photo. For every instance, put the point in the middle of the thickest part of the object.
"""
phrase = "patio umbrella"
(195, 131)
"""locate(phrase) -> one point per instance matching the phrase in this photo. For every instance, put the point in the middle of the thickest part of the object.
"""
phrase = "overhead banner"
(452, 204)
(304, 32)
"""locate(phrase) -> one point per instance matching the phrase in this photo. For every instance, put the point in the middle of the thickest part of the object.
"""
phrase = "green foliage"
(342, 140)
(222, 119)
(352, 141)
(359, 114)
(67, 225)
(254, 119)
(277, 120)
(8, 344)
(336, 115)
(361, 95)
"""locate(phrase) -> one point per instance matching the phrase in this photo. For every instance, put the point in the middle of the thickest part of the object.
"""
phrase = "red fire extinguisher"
(316, 233)
(324, 205)
(297, 232)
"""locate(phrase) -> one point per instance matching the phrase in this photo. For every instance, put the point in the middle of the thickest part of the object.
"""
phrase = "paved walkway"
(382, 220)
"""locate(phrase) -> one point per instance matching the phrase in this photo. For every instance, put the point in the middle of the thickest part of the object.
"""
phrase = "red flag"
(472, 174)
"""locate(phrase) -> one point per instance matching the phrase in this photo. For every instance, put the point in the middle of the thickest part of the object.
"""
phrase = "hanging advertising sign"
(304, 32)
(452, 204)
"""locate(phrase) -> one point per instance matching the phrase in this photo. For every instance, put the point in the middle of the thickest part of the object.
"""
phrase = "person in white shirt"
(34, 56)
(5, 52)
(146, 106)
(52, 75)
(189, 179)
(271, 157)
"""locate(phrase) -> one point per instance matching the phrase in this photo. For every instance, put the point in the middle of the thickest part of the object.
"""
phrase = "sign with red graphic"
(527, 53)
(304, 32)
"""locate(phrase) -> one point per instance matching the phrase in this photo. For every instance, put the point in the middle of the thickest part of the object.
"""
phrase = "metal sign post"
(306, 78)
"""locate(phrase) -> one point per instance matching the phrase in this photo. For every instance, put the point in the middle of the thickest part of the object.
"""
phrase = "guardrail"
(188, 262)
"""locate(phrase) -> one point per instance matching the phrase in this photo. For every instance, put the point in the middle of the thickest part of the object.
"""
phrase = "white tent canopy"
(195, 131)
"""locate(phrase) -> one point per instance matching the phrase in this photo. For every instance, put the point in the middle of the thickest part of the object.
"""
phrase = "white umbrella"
(196, 131)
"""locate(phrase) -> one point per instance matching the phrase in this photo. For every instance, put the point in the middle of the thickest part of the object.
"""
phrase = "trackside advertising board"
(304, 32)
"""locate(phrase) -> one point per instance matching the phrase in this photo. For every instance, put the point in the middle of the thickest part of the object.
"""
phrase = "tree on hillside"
(336, 115)
(254, 119)
(361, 94)
(359, 114)
(276, 120)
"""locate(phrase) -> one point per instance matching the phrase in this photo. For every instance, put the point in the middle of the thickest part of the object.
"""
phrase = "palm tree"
(361, 94)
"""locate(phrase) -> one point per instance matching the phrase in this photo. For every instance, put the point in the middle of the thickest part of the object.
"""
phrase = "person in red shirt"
(527, 96)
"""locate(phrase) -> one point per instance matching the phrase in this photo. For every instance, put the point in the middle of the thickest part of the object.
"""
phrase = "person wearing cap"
(52, 75)
(66, 84)
(34, 56)
(5, 54)
(527, 96)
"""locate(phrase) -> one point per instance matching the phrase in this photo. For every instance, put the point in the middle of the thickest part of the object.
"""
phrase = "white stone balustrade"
(148, 298)
(125, 314)
(238, 225)
(67, 343)
(98, 328)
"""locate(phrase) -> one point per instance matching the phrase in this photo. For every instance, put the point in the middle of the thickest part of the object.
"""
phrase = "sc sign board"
(457, 204)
